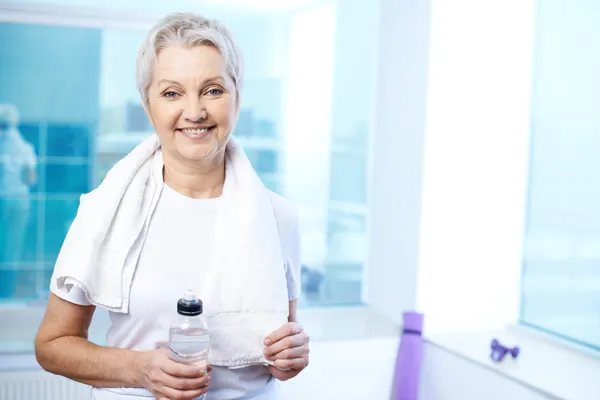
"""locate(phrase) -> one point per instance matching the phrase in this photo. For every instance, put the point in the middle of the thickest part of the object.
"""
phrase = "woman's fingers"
(185, 383)
(296, 340)
(293, 364)
(295, 352)
(183, 370)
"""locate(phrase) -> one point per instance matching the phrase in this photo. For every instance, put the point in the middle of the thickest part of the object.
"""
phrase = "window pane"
(49, 116)
(304, 122)
(561, 277)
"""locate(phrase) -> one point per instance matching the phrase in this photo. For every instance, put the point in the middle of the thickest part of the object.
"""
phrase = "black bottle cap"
(189, 304)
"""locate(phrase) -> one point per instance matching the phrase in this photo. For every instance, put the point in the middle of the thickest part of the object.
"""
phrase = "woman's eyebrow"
(168, 81)
(218, 78)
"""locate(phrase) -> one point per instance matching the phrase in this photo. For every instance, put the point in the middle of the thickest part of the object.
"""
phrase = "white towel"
(244, 293)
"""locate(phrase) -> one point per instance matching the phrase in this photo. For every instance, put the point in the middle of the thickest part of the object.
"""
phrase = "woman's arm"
(62, 347)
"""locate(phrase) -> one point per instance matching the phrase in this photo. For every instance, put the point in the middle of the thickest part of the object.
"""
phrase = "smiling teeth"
(195, 131)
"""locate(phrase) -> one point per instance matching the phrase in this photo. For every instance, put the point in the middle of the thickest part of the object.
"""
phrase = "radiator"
(40, 385)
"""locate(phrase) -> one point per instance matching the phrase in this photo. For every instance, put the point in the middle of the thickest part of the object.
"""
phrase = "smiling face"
(192, 103)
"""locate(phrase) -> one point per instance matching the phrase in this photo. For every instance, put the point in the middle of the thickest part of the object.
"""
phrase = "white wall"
(449, 179)
(397, 141)
(475, 165)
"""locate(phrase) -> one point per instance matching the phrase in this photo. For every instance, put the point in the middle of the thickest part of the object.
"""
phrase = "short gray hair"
(188, 30)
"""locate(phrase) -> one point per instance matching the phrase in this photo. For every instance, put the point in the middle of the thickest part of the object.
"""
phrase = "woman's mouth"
(197, 133)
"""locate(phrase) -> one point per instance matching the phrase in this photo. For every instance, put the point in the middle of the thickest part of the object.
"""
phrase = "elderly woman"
(183, 210)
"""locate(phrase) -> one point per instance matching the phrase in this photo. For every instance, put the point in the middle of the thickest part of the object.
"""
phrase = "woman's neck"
(198, 180)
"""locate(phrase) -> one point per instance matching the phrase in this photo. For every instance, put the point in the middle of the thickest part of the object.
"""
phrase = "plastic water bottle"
(189, 338)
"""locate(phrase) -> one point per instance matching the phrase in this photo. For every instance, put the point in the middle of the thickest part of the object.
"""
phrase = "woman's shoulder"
(286, 212)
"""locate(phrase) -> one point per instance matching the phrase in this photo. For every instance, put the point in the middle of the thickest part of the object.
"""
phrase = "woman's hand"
(167, 379)
(288, 348)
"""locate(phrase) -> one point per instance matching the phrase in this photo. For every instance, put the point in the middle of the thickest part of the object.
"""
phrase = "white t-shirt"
(178, 245)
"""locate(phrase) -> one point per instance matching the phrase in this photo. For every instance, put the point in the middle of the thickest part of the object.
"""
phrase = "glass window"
(70, 109)
(561, 275)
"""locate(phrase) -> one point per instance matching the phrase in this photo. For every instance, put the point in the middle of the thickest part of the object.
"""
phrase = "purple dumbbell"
(499, 351)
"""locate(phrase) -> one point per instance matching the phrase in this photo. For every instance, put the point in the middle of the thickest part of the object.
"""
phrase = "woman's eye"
(214, 92)
(171, 95)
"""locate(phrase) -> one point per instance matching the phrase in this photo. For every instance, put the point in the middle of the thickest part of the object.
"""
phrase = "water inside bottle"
(189, 346)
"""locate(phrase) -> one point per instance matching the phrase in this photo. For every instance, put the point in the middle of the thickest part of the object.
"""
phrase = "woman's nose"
(195, 110)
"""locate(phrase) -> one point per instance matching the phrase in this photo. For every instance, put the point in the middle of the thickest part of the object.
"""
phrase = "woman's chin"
(194, 150)
(198, 151)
